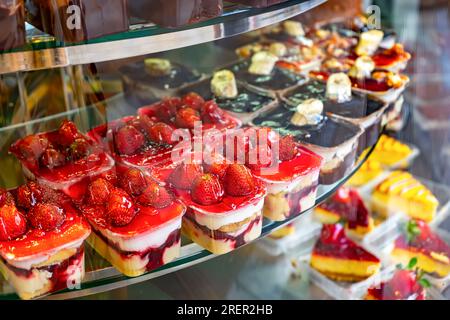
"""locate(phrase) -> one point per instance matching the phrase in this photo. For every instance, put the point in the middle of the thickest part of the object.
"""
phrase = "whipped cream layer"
(216, 221)
(152, 239)
(274, 187)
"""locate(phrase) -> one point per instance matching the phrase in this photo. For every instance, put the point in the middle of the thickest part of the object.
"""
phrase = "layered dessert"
(224, 201)
(175, 13)
(400, 192)
(79, 20)
(239, 99)
(335, 140)
(154, 78)
(339, 258)
(289, 171)
(136, 222)
(339, 99)
(368, 171)
(61, 159)
(188, 111)
(262, 70)
(41, 240)
(346, 205)
(12, 24)
(382, 84)
(394, 59)
(420, 242)
(403, 285)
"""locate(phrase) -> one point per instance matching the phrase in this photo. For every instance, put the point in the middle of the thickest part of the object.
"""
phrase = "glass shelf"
(101, 276)
(44, 52)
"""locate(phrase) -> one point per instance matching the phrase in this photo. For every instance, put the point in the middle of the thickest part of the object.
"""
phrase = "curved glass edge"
(108, 278)
(45, 52)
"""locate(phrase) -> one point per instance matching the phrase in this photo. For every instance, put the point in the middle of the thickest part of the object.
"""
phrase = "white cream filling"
(216, 221)
(151, 239)
(38, 258)
(274, 187)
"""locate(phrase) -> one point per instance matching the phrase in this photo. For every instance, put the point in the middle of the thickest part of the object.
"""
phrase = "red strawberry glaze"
(37, 242)
(302, 164)
(348, 204)
(427, 242)
(368, 84)
(147, 219)
(227, 204)
(387, 58)
(68, 173)
(227, 122)
(334, 243)
(402, 286)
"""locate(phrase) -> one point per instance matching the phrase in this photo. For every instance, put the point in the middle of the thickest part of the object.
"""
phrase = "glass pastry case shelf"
(102, 277)
(43, 51)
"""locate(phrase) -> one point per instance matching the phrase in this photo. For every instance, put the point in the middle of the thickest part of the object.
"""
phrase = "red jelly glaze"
(402, 286)
(347, 203)
(36, 241)
(95, 162)
(334, 243)
(302, 164)
(426, 242)
(219, 235)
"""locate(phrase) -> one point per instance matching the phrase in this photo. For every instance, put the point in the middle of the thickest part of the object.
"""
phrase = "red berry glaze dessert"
(61, 159)
(347, 205)
(404, 285)
(136, 221)
(339, 258)
(224, 202)
(420, 242)
(185, 112)
(41, 240)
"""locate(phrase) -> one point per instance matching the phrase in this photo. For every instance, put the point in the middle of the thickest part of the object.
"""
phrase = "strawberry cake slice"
(136, 222)
(41, 240)
(61, 159)
(224, 202)
(289, 171)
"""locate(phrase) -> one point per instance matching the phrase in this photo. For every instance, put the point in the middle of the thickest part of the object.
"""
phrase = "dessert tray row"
(211, 164)
(384, 241)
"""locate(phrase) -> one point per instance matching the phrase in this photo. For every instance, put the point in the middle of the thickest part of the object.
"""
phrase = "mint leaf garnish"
(412, 263)
(424, 283)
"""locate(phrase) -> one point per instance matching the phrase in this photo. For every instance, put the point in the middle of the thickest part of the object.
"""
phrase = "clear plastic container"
(78, 20)
(12, 24)
(175, 13)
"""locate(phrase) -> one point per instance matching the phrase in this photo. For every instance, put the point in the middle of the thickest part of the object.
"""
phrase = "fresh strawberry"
(12, 223)
(52, 158)
(186, 118)
(156, 196)
(219, 168)
(128, 140)
(160, 132)
(29, 195)
(207, 190)
(288, 148)
(6, 198)
(67, 133)
(192, 100)
(46, 216)
(167, 108)
(52, 196)
(120, 209)
(133, 181)
(238, 180)
(32, 147)
(80, 148)
(184, 174)
(142, 123)
(98, 191)
(211, 113)
(110, 176)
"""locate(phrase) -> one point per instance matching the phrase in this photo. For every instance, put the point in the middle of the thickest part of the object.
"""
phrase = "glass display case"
(259, 149)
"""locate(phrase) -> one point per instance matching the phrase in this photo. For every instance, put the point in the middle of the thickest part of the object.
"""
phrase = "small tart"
(369, 170)
(400, 192)
(390, 151)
